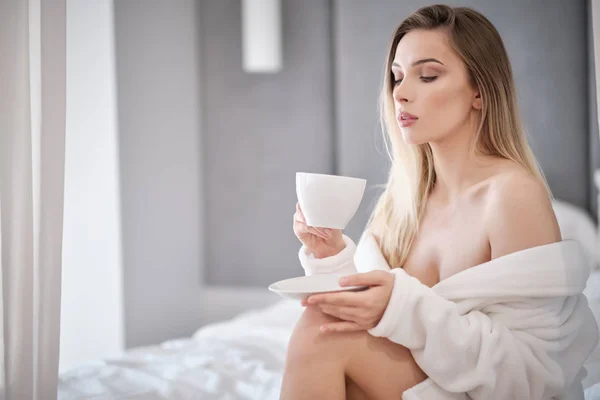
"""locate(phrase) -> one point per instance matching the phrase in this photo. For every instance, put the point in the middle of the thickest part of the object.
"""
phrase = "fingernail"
(327, 231)
(324, 329)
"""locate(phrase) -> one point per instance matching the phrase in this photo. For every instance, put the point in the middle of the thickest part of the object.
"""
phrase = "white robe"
(516, 327)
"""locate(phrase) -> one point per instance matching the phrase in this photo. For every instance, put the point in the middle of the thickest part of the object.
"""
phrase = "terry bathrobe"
(517, 327)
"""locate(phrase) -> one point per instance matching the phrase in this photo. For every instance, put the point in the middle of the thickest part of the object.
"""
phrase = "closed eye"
(423, 78)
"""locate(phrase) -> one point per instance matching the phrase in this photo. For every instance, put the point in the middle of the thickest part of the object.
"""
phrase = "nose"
(401, 99)
(401, 92)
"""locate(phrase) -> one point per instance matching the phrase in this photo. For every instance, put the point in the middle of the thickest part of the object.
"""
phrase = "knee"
(308, 342)
(306, 337)
(312, 318)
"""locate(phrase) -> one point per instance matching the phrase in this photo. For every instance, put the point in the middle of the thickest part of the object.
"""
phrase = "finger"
(299, 227)
(299, 219)
(344, 326)
(302, 227)
(344, 313)
(348, 299)
(299, 216)
(373, 278)
(326, 231)
(299, 210)
(316, 232)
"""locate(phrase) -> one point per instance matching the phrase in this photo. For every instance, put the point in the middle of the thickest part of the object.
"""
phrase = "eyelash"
(425, 79)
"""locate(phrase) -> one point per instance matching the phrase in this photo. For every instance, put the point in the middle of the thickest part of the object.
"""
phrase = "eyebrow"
(419, 62)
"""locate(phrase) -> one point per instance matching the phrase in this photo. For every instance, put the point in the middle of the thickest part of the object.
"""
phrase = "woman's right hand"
(321, 242)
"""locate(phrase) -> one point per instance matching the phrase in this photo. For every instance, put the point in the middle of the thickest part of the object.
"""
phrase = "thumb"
(372, 278)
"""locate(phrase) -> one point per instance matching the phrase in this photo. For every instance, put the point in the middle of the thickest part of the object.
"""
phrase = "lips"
(404, 115)
(406, 119)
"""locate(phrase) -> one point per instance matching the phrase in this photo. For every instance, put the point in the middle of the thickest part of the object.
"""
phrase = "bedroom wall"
(158, 85)
(208, 153)
(257, 131)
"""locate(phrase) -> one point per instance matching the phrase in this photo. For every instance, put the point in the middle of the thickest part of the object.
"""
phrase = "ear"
(477, 102)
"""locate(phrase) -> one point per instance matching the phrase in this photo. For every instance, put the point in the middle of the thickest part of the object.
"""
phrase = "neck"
(456, 167)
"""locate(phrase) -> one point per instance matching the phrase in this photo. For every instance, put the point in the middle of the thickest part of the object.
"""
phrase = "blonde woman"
(472, 292)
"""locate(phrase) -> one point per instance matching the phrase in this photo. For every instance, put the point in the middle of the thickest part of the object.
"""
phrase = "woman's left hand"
(359, 310)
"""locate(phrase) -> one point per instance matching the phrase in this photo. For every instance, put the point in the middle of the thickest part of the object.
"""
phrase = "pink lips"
(406, 119)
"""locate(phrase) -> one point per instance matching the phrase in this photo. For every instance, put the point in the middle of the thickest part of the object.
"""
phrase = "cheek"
(441, 108)
(447, 108)
(450, 100)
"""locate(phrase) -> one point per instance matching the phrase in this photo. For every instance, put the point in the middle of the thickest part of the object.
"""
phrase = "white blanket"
(516, 327)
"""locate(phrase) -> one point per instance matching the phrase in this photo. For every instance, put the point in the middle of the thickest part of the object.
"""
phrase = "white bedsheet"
(238, 359)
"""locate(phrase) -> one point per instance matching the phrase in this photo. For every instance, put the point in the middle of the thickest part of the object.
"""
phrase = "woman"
(464, 190)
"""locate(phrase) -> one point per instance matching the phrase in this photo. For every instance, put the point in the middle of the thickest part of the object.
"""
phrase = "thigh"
(381, 368)
(314, 365)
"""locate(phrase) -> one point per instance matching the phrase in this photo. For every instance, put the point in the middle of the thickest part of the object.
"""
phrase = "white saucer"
(304, 286)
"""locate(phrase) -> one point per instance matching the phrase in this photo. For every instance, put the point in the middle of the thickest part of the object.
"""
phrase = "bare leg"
(310, 372)
(322, 365)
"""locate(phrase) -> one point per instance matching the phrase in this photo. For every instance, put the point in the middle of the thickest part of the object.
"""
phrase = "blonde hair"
(399, 210)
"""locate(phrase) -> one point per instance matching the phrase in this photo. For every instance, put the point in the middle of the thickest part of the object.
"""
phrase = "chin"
(411, 137)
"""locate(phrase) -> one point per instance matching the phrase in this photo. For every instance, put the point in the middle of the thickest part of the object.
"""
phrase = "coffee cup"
(328, 201)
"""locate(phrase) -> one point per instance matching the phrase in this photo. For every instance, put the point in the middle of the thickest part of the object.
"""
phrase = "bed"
(243, 358)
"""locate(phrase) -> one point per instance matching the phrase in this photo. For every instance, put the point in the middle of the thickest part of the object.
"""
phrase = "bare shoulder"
(518, 212)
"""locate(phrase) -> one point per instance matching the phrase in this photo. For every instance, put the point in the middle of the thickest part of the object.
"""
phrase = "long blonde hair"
(399, 210)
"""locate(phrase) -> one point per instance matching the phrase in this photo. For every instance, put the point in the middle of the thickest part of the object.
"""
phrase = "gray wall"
(157, 68)
(257, 131)
(208, 153)
(156, 64)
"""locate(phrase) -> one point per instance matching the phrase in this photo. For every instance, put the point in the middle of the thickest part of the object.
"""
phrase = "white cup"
(328, 201)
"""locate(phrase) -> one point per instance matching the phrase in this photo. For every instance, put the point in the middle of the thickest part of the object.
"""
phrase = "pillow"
(576, 223)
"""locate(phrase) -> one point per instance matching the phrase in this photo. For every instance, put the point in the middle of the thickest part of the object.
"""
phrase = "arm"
(471, 352)
(343, 262)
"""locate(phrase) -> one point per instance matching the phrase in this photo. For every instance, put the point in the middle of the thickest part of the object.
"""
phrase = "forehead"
(419, 44)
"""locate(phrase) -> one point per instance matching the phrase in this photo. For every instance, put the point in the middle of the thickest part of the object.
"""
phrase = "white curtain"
(32, 136)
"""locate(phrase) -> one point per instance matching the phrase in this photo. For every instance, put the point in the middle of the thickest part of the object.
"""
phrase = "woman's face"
(433, 97)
